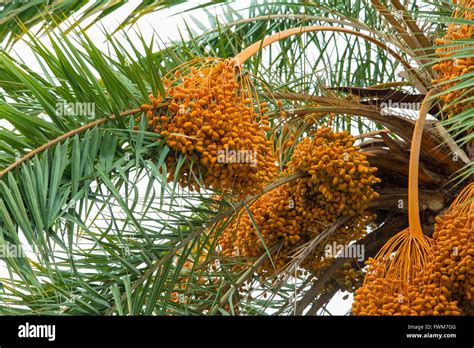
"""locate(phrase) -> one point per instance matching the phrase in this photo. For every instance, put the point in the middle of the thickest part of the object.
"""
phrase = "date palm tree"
(92, 223)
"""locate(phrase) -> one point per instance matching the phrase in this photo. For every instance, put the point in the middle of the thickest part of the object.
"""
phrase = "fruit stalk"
(413, 202)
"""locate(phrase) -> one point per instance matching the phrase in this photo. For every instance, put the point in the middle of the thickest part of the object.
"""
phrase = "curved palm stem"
(413, 208)
(70, 134)
(352, 22)
(251, 50)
